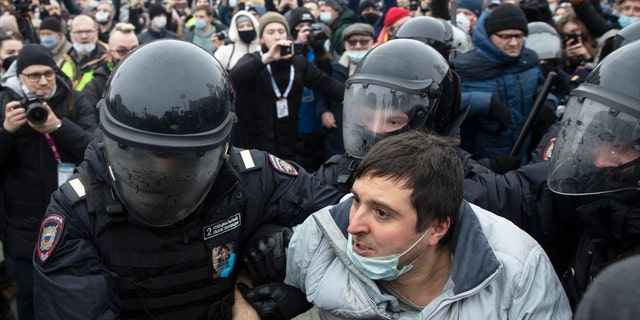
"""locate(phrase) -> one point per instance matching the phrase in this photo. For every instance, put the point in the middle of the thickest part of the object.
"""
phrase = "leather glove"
(276, 300)
(500, 113)
(265, 256)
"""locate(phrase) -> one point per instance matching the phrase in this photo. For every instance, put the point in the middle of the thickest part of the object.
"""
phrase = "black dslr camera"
(36, 112)
(222, 35)
(316, 36)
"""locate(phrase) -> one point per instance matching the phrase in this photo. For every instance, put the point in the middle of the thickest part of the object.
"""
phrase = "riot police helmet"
(598, 146)
(165, 120)
(544, 40)
(400, 85)
(435, 32)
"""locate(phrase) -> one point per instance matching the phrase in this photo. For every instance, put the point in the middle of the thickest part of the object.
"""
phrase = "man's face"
(358, 42)
(381, 121)
(84, 30)
(510, 41)
(313, 7)
(391, 30)
(10, 48)
(54, 10)
(103, 7)
(272, 33)
(327, 8)
(120, 44)
(201, 15)
(383, 221)
(49, 33)
(615, 155)
(631, 8)
(44, 84)
(369, 10)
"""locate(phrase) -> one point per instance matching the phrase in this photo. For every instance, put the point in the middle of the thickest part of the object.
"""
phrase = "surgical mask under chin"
(380, 268)
(356, 55)
(326, 17)
(160, 22)
(83, 48)
(49, 41)
(200, 24)
(102, 17)
(30, 95)
(624, 20)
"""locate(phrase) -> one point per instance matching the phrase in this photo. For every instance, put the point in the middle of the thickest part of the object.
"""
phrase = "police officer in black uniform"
(151, 224)
(583, 206)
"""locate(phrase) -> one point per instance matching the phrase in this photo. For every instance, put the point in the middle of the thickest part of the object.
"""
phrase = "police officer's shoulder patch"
(50, 233)
(548, 149)
(282, 166)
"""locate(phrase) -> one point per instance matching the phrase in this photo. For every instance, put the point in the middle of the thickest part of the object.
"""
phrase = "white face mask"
(356, 55)
(160, 22)
(83, 49)
(102, 16)
(326, 17)
(233, 3)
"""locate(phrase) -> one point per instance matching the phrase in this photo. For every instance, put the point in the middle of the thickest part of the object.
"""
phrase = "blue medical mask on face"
(200, 24)
(49, 41)
(326, 17)
(624, 21)
(380, 268)
(356, 55)
(552, 8)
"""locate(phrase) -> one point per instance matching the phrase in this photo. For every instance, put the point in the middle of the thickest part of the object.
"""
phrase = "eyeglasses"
(35, 77)
(509, 36)
(83, 32)
(122, 51)
(362, 42)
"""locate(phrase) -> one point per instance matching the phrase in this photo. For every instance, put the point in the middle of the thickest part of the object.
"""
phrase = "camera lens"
(36, 113)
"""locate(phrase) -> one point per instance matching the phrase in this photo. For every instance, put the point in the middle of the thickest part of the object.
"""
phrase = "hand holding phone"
(286, 50)
(573, 39)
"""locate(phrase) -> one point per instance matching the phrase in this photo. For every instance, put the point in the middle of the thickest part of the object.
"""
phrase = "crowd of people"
(247, 159)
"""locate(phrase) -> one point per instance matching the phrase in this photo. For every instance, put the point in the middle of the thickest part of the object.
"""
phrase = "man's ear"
(439, 230)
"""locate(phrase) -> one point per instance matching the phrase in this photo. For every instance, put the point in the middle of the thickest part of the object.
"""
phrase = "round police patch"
(282, 166)
(548, 149)
(50, 232)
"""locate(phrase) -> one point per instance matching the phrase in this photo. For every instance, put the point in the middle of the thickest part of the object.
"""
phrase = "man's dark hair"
(427, 164)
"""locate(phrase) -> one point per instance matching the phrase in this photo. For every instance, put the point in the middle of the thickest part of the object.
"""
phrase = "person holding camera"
(205, 31)
(269, 88)
(580, 48)
(45, 128)
(243, 34)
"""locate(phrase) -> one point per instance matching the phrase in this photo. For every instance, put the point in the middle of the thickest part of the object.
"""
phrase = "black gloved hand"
(504, 164)
(276, 300)
(265, 256)
(500, 113)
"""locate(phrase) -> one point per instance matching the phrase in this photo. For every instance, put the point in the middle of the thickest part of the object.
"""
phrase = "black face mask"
(247, 36)
(370, 18)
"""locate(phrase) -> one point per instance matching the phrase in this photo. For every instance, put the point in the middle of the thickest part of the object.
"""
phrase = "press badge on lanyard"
(65, 169)
(282, 107)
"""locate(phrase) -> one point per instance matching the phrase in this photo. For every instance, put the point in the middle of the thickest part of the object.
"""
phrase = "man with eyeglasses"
(358, 40)
(45, 128)
(499, 82)
(122, 40)
(86, 54)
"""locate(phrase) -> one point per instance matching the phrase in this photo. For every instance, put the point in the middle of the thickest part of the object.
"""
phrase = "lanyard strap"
(52, 144)
(275, 86)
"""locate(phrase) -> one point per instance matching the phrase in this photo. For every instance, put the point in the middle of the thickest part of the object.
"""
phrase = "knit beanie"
(32, 54)
(50, 23)
(270, 17)
(242, 18)
(365, 4)
(300, 14)
(394, 14)
(156, 9)
(474, 6)
(337, 5)
(506, 16)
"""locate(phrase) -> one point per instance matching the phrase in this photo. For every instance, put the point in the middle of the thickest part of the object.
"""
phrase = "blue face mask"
(380, 268)
(624, 21)
(200, 24)
(356, 55)
(552, 8)
(49, 41)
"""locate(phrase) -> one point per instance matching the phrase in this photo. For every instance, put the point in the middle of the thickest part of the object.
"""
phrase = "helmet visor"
(373, 112)
(597, 150)
(161, 188)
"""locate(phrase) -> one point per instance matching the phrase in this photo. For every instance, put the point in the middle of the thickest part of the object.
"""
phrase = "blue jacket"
(487, 72)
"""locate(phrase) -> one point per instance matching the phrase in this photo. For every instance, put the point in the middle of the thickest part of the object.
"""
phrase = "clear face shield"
(161, 188)
(597, 150)
(373, 112)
